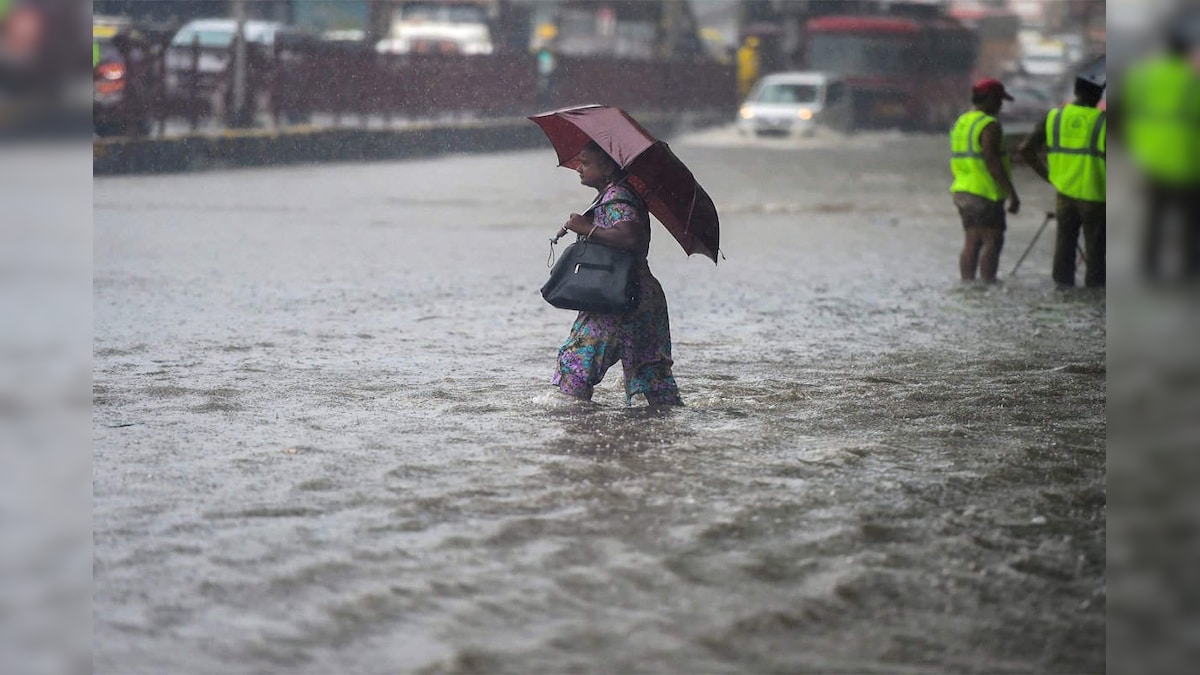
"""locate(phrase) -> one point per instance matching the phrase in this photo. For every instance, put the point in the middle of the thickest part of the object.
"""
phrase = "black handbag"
(592, 277)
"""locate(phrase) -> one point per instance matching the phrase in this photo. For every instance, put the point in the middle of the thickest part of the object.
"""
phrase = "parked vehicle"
(1028, 107)
(438, 28)
(215, 52)
(118, 107)
(1047, 59)
(906, 71)
(1033, 97)
(796, 103)
(1074, 44)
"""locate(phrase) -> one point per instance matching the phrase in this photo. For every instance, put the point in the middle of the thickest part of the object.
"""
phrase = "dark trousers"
(1163, 201)
(1074, 216)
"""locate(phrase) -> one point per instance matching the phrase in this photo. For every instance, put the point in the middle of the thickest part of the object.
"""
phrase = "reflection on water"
(325, 439)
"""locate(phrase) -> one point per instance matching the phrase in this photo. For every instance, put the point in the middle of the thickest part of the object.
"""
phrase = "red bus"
(911, 72)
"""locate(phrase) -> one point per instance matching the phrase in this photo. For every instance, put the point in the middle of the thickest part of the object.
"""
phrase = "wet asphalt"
(324, 439)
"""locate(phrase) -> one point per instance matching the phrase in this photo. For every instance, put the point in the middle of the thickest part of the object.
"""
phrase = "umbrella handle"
(550, 258)
(562, 231)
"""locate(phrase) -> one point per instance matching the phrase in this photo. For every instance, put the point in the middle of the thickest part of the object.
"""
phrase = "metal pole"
(1049, 217)
(193, 86)
(160, 87)
(239, 64)
(670, 28)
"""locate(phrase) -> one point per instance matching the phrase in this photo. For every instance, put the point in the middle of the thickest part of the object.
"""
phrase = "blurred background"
(163, 67)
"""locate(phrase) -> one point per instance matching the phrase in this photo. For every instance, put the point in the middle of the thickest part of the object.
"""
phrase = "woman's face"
(594, 169)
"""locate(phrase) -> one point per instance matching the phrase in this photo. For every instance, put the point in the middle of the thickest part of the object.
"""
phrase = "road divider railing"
(301, 145)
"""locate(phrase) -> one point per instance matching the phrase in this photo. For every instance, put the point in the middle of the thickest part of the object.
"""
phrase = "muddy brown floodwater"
(324, 439)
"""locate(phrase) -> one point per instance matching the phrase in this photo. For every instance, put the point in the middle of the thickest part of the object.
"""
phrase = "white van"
(215, 39)
(1048, 59)
(438, 28)
(796, 103)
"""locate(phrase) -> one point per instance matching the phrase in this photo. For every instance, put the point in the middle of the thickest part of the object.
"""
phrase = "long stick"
(1049, 217)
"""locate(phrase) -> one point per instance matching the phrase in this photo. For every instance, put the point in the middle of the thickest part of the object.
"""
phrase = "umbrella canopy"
(669, 188)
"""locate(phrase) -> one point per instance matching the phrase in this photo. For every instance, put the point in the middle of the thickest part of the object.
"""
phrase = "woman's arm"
(993, 158)
(627, 235)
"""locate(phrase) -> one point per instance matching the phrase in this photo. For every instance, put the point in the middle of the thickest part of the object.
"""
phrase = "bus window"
(951, 52)
(860, 55)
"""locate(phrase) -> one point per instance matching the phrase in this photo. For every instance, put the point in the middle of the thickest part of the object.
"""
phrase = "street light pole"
(238, 116)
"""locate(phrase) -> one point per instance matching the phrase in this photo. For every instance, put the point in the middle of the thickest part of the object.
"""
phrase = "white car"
(795, 103)
(1047, 59)
(438, 28)
(214, 38)
(218, 33)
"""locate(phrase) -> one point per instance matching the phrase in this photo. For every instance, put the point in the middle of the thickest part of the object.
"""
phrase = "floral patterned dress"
(640, 340)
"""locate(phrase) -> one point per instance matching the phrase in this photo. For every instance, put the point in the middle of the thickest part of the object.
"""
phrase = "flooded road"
(324, 439)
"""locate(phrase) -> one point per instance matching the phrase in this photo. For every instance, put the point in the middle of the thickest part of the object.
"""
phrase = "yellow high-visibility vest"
(1162, 104)
(966, 157)
(1075, 144)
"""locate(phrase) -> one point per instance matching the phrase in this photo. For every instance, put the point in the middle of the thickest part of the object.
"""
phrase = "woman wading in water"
(640, 339)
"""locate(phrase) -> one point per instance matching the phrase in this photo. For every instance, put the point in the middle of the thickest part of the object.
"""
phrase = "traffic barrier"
(296, 145)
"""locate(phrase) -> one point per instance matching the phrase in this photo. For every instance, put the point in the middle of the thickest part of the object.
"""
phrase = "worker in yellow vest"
(748, 64)
(1160, 113)
(982, 181)
(1073, 139)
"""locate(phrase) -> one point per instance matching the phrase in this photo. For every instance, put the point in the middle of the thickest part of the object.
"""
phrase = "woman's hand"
(626, 234)
(578, 224)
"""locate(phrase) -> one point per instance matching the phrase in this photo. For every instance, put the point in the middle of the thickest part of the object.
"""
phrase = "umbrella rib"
(687, 227)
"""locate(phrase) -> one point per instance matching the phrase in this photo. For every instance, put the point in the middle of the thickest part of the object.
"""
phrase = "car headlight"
(804, 114)
(746, 113)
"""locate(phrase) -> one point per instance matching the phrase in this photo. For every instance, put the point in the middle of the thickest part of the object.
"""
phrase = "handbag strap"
(639, 203)
(596, 203)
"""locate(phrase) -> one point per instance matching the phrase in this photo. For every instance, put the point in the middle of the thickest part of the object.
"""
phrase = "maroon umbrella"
(669, 188)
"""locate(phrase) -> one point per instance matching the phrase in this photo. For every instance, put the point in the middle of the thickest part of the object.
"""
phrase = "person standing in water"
(1073, 138)
(982, 181)
(640, 339)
